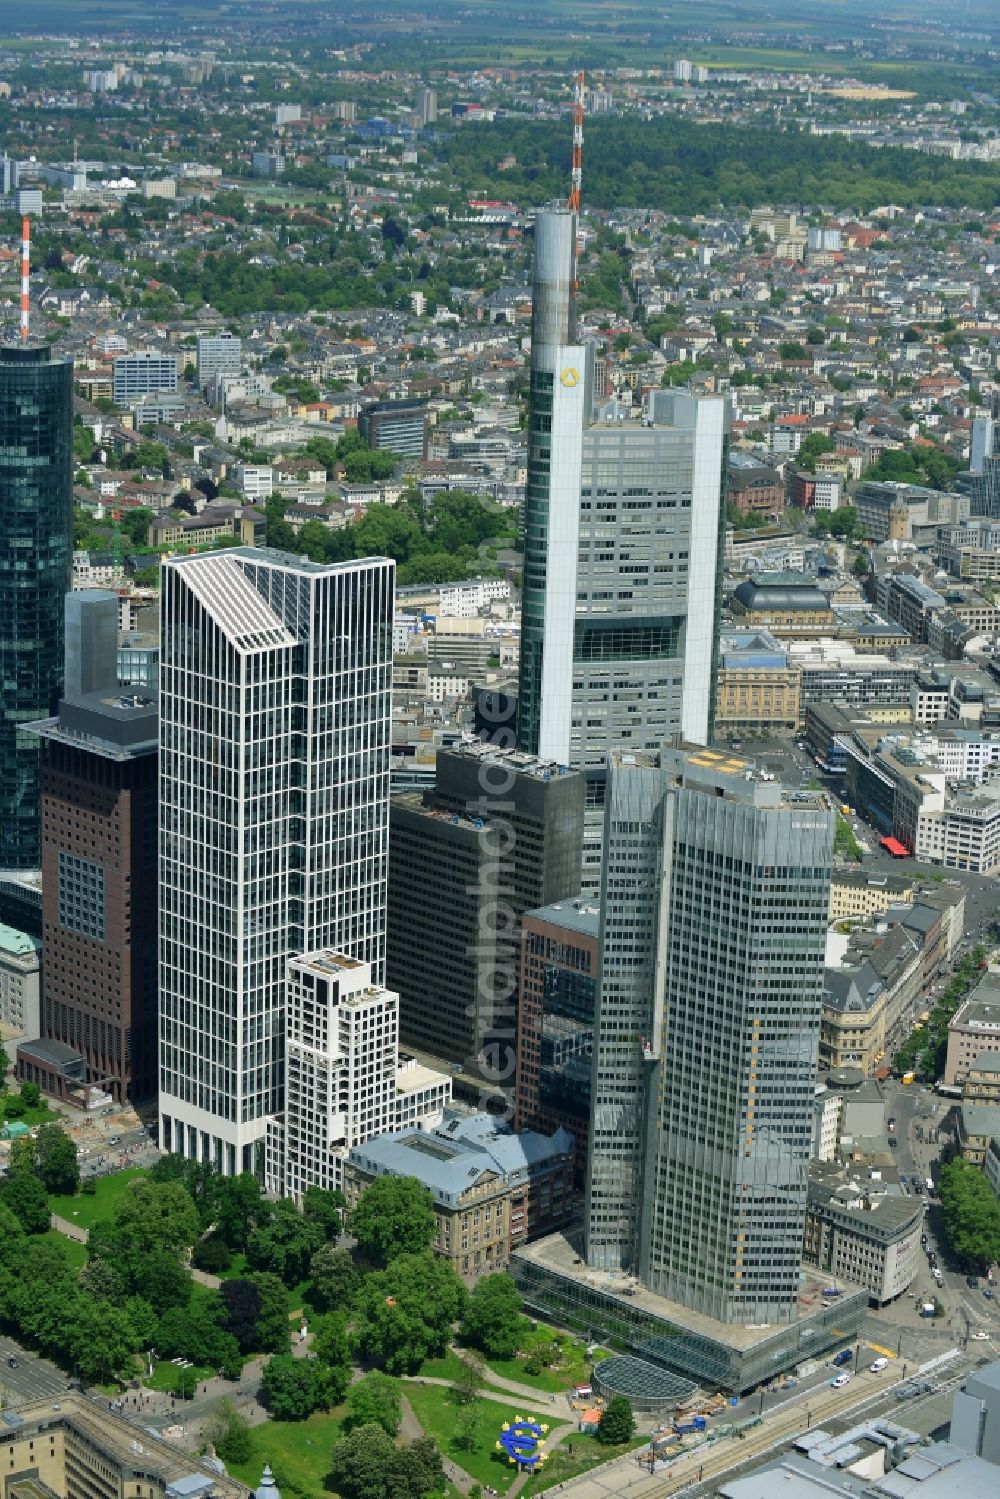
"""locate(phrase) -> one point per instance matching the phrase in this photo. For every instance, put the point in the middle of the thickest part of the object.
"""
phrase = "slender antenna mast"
(25, 272)
(576, 173)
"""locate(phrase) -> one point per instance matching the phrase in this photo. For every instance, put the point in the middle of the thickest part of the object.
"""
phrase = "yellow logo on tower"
(570, 376)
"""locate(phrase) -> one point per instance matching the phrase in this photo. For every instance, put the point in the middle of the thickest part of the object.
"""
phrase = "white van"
(840, 1381)
(879, 1365)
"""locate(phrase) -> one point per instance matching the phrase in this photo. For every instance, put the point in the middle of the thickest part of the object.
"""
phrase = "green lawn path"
(85, 1209)
(438, 1414)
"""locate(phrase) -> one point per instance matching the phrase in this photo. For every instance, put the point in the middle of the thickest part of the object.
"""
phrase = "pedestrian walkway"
(538, 1399)
(411, 1429)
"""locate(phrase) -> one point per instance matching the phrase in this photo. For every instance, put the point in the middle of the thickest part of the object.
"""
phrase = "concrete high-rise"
(345, 1081)
(36, 485)
(713, 921)
(624, 529)
(275, 678)
(99, 799)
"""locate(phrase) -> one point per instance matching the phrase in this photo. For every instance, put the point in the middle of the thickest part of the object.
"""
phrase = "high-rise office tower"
(99, 800)
(624, 528)
(713, 923)
(275, 677)
(558, 404)
(499, 835)
(984, 463)
(36, 485)
(555, 1020)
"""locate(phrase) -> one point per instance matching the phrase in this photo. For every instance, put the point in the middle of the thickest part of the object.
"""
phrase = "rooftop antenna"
(25, 271)
(576, 173)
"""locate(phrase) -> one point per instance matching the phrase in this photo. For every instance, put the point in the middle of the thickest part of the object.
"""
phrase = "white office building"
(142, 374)
(275, 718)
(218, 354)
(344, 1082)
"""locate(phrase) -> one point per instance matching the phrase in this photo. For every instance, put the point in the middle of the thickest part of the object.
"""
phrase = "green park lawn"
(75, 1252)
(298, 1451)
(87, 1209)
(577, 1453)
(438, 1414)
(574, 1367)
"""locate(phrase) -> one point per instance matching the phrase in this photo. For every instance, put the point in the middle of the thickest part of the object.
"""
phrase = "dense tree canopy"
(394, 1216)
(687, 168)
(404, 1314)
(493, 1320)
(971, 1214)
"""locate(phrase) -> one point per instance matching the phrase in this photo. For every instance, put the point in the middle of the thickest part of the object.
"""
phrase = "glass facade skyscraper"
(36, 481)
(275, 717)
(624, 523)
(713, 923)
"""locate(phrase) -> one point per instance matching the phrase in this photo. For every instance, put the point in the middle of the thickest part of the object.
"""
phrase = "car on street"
(12, 1363)
(980, 1336)
(988, 1294)
(841, 1358)
(972, 1283)
(893, 1142)
(839, 1380)
(891, 1125)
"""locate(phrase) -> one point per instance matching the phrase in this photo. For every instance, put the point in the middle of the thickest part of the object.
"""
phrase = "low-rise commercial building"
(974, 1028)
(978, 1125)
(783, 603)
(77, 1448)
(982, 1081)
(858, 1233)
(757, 692)
(20, 983)
(490, 1191)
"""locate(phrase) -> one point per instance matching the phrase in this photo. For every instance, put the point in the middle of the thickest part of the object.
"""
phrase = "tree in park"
(241, 1299)
(394, 1216)
(295, 1387)
(326, 1209)
(367, 1464)
(4, 1067)
(213, 1254)
(404, 1314)
(229, 1433)
(153, 1216)
(99, 1339)
(285, 1242)
(617, 1423)
(334, 1279)
(331, 1347)
(163, 1280)
(24, 1194)
(272, 1314)
(11, 1233)
(493, 1320)
(375, 1401)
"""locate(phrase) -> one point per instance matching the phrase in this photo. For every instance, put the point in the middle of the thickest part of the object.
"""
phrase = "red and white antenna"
(25, 272)
(576, 172)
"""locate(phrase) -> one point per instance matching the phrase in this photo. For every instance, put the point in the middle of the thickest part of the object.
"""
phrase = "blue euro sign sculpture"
(522, 1441)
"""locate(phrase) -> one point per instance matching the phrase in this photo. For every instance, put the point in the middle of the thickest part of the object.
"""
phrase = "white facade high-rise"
(275, 714)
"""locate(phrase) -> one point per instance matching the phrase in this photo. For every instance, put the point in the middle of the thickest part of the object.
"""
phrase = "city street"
(34, 1378)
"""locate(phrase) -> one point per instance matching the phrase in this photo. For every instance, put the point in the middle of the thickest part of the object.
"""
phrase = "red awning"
(894, 847)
